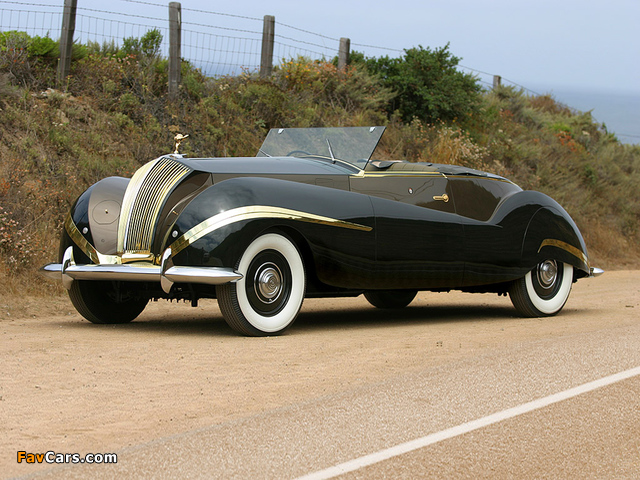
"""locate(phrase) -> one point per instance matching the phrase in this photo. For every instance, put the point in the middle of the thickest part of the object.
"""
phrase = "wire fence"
(40, 23)
(217, 43)
(104, 31)
(228, 51)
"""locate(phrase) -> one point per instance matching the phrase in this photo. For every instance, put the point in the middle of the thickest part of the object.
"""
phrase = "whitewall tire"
(543, 291)
(266, 301)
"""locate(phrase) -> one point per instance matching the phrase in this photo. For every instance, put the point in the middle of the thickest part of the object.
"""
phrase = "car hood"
(268, 166)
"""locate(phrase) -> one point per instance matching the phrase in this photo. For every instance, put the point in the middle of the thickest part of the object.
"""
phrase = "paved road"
(348, 385)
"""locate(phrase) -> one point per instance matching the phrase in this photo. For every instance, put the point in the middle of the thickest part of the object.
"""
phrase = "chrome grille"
(143, 202)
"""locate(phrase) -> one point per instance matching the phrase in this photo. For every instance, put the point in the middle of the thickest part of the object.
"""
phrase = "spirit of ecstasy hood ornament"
(178, 139)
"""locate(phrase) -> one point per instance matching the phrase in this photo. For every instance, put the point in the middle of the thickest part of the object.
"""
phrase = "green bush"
(147, 46)
(427, 84)
(13, 39)
(150, 43)
(43, 47)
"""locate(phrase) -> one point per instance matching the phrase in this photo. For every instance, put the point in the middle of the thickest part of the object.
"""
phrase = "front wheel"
(543, 291)
(99, 302)
(268, 298)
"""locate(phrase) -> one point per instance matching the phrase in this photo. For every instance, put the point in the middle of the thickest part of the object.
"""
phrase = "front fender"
(92, 223)
(336, 225)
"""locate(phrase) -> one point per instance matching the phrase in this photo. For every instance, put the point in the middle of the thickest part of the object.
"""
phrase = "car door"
(419, 237)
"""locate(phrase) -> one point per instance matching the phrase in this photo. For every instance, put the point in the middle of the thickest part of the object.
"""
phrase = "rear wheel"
(390, 298)
(543, 291)
(99, 302)
(266, 301)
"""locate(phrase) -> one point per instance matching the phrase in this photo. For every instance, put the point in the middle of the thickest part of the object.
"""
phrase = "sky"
(577, 47)
(545, 44)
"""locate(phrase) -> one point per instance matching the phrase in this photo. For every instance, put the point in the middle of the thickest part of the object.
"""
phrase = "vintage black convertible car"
(311, 216)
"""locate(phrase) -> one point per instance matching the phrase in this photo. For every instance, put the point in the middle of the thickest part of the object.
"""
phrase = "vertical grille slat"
(143, 202)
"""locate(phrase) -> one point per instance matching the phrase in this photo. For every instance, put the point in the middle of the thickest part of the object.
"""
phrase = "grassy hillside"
(113, 116)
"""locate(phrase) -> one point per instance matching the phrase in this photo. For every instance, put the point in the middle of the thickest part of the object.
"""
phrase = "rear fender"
(552, 233)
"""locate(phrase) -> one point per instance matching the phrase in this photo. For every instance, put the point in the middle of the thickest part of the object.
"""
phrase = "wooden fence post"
(497, 81)
(343, 53)
(66, 40)
(175, 44)
(268, 33)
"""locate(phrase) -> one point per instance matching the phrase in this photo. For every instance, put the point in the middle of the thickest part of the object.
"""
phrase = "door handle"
(444, 197)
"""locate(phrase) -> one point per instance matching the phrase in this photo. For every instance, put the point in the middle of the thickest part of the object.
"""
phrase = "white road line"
(403, 448)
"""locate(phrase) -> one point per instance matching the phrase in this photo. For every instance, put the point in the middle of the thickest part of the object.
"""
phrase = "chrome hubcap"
(268, 282)
(547, 273)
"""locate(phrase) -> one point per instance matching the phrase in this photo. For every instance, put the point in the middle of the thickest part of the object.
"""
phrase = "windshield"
(353, 145)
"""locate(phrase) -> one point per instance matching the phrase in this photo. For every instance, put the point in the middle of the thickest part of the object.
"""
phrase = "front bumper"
(166, 273)
(595, 272)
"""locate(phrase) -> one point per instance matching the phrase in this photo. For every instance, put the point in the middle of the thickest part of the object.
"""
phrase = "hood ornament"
(178, 139)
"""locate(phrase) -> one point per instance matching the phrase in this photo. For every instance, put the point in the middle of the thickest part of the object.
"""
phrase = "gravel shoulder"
(71, 386)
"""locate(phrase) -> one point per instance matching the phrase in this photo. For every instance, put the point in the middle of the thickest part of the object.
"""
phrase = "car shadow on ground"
(369, 317)
(312, 320)
(166, 325)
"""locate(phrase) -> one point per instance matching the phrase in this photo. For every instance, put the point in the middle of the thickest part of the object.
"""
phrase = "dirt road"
(177, 393)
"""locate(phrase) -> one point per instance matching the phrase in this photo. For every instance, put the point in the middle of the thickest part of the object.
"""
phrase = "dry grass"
(114, 117)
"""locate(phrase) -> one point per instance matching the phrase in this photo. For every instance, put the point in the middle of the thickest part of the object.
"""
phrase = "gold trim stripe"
(77, 238)
(407, 173)
(83, 244)
(550, 242)
(256, 211)
(480, 177)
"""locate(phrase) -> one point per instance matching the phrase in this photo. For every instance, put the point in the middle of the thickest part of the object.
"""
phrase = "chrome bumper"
(167, 274)
(595, 272)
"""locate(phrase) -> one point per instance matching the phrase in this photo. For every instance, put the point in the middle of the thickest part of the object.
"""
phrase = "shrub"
(351, 90)
(43, 47)
(29, 61)
(419, 142)
(14, 56)
(147, 46)
(427, 84)
(107, 49)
